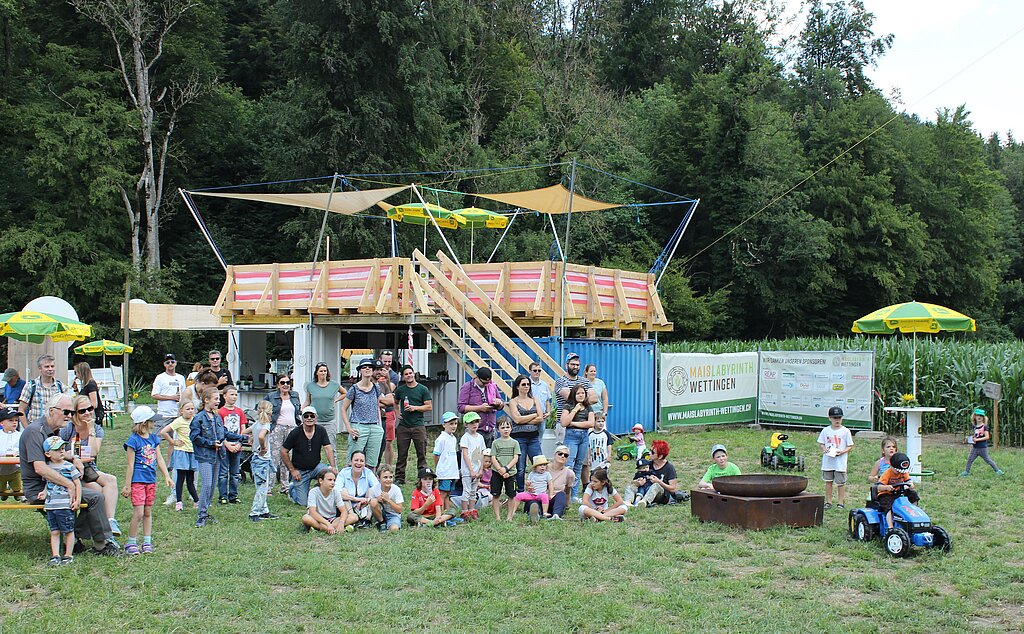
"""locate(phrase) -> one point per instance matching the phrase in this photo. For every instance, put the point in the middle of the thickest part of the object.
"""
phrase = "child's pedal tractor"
(628, 452)
(781, 454)
(911, 527)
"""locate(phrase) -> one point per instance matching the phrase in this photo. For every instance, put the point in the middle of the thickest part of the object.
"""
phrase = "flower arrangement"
(909, 400)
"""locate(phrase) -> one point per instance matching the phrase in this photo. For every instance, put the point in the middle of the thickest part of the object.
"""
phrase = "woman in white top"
(596, 384)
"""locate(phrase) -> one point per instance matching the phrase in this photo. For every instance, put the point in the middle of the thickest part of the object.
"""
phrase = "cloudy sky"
(935, 40)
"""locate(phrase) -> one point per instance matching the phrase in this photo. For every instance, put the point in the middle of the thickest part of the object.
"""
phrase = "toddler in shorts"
(57, 502)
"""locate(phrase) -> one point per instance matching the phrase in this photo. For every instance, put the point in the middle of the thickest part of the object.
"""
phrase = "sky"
(936, 39)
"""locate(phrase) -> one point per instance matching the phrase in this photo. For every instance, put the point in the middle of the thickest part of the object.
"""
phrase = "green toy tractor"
(781, 454)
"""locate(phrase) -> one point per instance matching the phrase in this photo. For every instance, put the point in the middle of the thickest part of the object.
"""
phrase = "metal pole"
(565, 251)
(554, 232)
(323, 225)
(507, 227)
(433, 221)
(202, 226)
(679, 239)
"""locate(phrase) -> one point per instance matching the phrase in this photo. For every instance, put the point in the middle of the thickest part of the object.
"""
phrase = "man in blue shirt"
(13, 385)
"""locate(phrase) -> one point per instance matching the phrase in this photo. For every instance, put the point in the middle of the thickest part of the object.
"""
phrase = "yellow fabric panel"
(347, 203)
(549, 200)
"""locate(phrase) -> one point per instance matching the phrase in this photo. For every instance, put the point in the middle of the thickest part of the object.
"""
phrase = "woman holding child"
(527, 416)
(84, 438)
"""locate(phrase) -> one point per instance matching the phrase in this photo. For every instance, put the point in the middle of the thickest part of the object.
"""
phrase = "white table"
(913, 446)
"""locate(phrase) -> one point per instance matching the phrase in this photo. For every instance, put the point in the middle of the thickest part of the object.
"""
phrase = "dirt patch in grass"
(1008, 617)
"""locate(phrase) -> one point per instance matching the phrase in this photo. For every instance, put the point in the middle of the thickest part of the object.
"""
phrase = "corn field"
(950, 374)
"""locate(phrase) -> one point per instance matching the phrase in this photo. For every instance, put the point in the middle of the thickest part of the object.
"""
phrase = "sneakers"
(555, 518)
(223, 500)
(178, 506)
(232, 500)
(964, 474)
(382, 527)
(147, 548)
(201, 522)
(475, 514)
(1000, 472)
(66, 560)
(133, 549)
(54, 562)
(841, 506)
(642, 504)
(577, 500)
(828, 505)
(268, 516)
(115, 530)
(110, 549)
(255, 518)
(451, 522)
(170, 500)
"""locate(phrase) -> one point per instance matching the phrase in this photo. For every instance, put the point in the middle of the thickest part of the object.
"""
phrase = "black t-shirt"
(306, 451)
(667, 472)
(89, 388)
(223, 372)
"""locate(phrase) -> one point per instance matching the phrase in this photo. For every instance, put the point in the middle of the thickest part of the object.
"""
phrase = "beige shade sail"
(347, 203)
(550, 200)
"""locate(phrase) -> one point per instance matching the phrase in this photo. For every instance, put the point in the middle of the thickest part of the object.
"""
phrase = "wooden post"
(995, 423)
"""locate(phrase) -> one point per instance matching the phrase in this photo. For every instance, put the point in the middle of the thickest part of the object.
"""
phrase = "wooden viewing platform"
(416, 290)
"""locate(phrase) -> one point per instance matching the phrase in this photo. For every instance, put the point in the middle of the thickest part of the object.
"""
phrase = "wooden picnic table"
(10, 460)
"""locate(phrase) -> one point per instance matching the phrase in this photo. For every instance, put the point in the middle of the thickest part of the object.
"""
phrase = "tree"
(139, 30)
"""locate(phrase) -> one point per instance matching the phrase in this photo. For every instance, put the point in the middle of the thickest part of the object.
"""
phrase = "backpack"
(32, 392)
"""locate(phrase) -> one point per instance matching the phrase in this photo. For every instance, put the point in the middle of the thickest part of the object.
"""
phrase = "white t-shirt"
(287, 415)
(326, 506)
(168, 385)
(475, 444)
(838, 439)
(600, 499)
(445, 449)
(394, 494)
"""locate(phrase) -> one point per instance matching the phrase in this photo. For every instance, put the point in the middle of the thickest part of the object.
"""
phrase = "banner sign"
(798, 388)
(706, 389)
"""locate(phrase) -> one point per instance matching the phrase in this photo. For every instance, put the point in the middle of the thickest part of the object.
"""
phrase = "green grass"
(660, 571)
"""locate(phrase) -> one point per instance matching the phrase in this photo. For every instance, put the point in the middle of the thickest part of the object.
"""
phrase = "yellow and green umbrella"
(420, 214)
(104, 347)
(35, 327)
(913, 317)
(480, 218)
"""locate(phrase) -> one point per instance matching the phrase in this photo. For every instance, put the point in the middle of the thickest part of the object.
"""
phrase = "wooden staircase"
(469, 334)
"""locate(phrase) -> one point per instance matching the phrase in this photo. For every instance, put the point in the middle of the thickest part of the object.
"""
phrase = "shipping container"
(626, 366)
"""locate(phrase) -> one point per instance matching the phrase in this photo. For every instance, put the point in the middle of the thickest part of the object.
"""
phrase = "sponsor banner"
(798, 388)
(704, 389)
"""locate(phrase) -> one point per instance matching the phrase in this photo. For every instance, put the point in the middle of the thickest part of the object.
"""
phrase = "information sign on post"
(994, 391)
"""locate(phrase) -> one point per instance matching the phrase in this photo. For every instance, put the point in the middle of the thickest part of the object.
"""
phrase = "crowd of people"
(496, 462)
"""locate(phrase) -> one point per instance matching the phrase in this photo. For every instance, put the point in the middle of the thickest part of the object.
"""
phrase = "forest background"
(726, 101)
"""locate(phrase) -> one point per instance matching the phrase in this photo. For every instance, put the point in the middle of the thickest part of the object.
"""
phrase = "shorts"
(497, 482)
(143, 494)
(393, 519)
(446, 485)
(61, 520)
(389, 426)
(839, 477)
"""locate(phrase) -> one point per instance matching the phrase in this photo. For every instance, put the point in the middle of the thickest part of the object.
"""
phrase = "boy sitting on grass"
(721, 467)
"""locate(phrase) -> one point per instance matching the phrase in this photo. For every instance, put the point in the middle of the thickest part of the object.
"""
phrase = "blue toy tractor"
(911, 527)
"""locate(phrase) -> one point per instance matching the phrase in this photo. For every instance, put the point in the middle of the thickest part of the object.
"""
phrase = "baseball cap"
(541, 459)
(426, 472)
(377, 364)
(309, 409)
(642, 463)
(169, 357)
(470, 417)
(570, 356)
(980, 411)
(717, 448)
(900, 463)
(53, 442)
(8, 412)
(487, 452)
(142, 413)
(9, 374)
(447, 416)
(835, 411)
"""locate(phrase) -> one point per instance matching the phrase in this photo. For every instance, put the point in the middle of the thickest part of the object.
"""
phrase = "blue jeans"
(261, 468)
(529, 446)
(578, 442)
(230, 469)
(299, 491)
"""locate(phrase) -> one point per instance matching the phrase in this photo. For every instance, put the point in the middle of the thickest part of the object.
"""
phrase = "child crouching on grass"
(325, 509)
(59, 502)
(601, 502)
(140, 478)
(426, 508)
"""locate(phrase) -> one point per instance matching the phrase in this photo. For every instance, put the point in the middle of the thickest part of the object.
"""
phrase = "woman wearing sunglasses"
(562, 479)
(285, 416)
(84, 438)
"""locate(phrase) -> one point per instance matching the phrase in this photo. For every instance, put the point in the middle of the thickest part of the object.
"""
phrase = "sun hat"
(365, 363)
(142, 413)
(450, 416)
(541, 459)
(638, 427)
(487, 452)
(717, 448)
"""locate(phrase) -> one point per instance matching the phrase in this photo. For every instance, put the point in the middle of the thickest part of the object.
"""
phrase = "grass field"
(660, 571)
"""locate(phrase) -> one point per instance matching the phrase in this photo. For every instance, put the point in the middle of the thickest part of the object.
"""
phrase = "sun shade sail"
(347, 203)
(549, 200)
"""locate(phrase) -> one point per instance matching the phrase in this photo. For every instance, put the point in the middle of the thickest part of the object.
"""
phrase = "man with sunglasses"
(92, 522)
(223, 374)
(300, 455)
(540, 389)
(168, 387)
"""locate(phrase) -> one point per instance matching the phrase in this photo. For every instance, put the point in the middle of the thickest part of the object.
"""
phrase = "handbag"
(91, 474)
